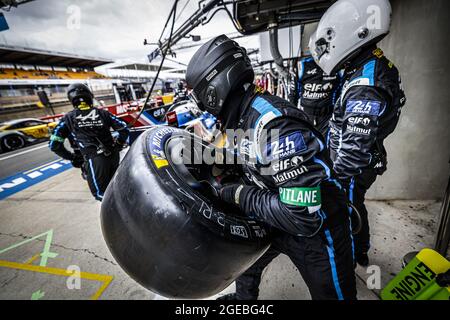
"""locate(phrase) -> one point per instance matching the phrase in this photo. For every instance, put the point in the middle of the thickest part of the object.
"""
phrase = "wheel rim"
(14, 142)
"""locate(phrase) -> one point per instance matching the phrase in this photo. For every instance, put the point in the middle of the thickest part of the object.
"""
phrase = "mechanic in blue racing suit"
(90, 129)
(370, 102)
(287, 182)
(317, 93)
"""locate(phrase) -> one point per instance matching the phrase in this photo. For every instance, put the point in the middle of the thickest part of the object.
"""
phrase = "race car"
(183, 114)
(19, 133)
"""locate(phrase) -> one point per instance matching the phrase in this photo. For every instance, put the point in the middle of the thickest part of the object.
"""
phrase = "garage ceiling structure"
(255, 16)
(6, 4)
(26, 56)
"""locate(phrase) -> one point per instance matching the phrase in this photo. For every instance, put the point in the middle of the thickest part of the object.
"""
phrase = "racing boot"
(362, 259)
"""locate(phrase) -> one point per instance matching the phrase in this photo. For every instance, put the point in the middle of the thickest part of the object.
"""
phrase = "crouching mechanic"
(288, 184)
(90, 129)
(370, 103)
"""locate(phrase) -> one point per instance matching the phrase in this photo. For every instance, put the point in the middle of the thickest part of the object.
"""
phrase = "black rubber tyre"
(12, 142)
(167, 235)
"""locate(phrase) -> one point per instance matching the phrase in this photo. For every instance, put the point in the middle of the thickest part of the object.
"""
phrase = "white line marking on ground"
(23, 152)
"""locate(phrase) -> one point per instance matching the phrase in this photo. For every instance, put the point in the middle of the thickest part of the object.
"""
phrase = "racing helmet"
(346, 27)
(215, 70)
(78, 93)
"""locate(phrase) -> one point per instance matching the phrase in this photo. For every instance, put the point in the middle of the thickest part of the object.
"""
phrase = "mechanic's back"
(90, 128)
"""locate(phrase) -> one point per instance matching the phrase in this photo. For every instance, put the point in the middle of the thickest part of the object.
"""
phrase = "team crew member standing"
(90, 128)
(317, 93)
(287, 181)
(370, 103)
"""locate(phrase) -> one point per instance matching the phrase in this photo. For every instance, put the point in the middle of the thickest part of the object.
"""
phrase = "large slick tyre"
(165, 232)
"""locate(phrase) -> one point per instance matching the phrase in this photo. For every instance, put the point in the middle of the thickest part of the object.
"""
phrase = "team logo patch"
(358, 130)
(367, 107)
(156, 147)
(239, 231)
(359, 120)
(287, 164)
(284, 177)
(285, 147)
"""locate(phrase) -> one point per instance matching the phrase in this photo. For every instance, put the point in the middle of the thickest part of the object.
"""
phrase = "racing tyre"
(166, 229)
(12, 142)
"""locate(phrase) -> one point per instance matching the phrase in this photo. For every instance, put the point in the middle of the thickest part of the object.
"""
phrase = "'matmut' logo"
(359, 130)
(290, 175)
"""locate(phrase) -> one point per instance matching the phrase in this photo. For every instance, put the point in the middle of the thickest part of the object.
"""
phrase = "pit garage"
(54, 238)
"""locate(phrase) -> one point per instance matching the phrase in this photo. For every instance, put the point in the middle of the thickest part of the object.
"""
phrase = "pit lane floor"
(55, 225)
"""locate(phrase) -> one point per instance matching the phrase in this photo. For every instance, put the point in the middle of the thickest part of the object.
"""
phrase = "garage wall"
(419, 149)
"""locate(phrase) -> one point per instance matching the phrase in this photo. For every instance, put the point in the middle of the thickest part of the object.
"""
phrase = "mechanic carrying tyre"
(370, 103)
(165, 226)
(90, 129)
(288, 181)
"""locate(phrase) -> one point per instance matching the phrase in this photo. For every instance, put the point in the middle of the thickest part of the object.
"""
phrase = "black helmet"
(78, 93)
(215, 70)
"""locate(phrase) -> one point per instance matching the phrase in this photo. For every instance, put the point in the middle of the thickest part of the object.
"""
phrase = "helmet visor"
(321, 47)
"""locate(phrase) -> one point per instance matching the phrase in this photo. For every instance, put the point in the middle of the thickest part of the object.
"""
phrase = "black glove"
(77, 161)
(230, 193)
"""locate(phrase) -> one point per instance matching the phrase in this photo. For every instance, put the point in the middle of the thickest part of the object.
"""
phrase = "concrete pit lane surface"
(52, 247)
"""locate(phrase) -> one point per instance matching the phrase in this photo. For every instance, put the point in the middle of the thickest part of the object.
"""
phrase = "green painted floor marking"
(38, 295)
(45, 255)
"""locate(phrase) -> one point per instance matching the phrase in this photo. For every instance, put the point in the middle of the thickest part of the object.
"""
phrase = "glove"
(231, 193)
(77, 161)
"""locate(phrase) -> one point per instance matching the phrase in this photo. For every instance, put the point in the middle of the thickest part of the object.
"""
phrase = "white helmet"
(347, 26)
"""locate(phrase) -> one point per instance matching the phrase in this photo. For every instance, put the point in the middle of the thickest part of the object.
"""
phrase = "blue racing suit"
(90, 128)
(289, 185)
(365, 114)
(317, 93)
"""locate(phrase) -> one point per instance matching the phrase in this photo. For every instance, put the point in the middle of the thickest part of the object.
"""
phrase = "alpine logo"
(90, 120)
(312, 72)
(91, 116)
